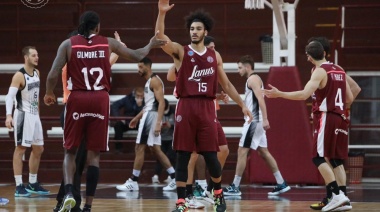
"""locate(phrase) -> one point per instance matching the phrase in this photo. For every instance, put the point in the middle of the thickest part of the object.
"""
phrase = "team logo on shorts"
(190, 53)
(178, 118)
(75, 116)
(210, 59)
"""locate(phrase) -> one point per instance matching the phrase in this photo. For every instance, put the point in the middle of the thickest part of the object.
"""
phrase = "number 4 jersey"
(332, 97)
(89, 67)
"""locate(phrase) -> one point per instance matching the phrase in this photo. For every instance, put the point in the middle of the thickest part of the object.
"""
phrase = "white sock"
(237, 180)
(136, 172)
(32, 178)
(18, 179)
(170, 170)
(278, 177)
(202, 183)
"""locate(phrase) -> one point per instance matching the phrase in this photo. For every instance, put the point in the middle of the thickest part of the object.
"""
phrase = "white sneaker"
(155, 179)
(168, 179)
(208, 197)
(345, 207)
(129, 185)
(336, 201)
(171, 186)
(193, 203)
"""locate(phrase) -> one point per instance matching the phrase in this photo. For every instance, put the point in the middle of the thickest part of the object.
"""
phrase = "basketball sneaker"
(345, 207)
(155, 179)
(3, 201)
(68, 203)
(279, 189)
(171, 186)
(232, 190)
(36, 188)
(208, 197)
(219, 202)
(192, 202)
(336, 201)
(181, 206)
(21, 191)
(129, 185)
(198, 191)
(320, 205)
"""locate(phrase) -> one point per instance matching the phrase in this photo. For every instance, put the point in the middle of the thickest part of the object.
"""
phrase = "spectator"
(130, 106)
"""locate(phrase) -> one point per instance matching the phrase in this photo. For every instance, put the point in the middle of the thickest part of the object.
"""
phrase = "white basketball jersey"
(27, 98)
(252, 103)
(151, 103)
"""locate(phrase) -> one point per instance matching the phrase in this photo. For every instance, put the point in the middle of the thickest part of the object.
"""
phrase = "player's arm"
(17, 83)
(173, 49)
(171, 76)
(311, 86)
(254, 82)
(55, 71)
(137, 54)
(156, 86)
(114, 56)
(354, 87)
(229, 88)
(349, 95)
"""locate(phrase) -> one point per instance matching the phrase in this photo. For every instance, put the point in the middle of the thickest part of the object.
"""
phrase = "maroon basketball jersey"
(198, 74)
(89, 67)
(332, 97)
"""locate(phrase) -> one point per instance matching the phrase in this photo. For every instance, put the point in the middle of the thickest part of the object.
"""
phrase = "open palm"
(163, 5)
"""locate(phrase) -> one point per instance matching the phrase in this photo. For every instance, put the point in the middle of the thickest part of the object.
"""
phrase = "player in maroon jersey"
(87, 108)
(330, 94)
(199, 71)
(340, 174)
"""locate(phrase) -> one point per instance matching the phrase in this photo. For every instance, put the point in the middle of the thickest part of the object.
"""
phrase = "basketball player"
(253, 135)
(149, 128)
(199, 70)
(331, 92)
(87, 108)
(25, 88)
(340, 174)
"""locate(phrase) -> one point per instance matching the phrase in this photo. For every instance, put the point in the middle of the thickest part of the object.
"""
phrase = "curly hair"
(200, 16)
(87, 22)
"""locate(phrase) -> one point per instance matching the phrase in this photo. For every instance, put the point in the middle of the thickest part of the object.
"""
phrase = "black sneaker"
(85, 210)
(68, 203)
(57, 207)
(280, 188)
(219, 202)
(36, 188)
(21, 191)
(318, 206)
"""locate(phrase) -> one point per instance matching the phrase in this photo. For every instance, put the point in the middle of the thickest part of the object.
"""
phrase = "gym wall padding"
(289, 137)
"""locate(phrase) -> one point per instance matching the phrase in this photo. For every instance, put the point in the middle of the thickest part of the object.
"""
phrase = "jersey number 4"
(338, 99)
(96, 84)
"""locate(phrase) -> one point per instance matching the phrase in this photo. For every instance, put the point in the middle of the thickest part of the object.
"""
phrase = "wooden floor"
(152, 198)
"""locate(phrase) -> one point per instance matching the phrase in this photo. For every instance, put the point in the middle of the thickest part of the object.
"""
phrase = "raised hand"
(163, 5)
(156, 43)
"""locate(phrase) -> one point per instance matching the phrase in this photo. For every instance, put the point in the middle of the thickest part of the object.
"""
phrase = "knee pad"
(336, 162)
(318, 161)
(92, 180)
(181, 166)
(213, 165)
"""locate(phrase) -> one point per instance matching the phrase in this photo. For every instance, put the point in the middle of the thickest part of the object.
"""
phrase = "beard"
(201, 39)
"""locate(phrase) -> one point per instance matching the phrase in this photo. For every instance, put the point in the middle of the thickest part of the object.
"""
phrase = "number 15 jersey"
(197, 76)
(89, 67)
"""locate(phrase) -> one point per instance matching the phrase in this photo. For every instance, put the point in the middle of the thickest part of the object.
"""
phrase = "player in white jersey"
(149, 128)
(25, 88)
(253, 135)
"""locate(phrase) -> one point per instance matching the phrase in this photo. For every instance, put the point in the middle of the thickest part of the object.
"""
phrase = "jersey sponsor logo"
(33, 85)
(198, 74)
(178, 118)
(340, 131)
(210, 59)
(95, 115)
(75, 116)
(192, 60)
(190, 53)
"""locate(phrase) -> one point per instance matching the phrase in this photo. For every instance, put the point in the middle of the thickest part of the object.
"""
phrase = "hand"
(133, 123)
(49, 99)
(9, 122)
(157, 129)
(223, 97)
(266, 124)
(157, 43)
(273, 93)
(163, 6)
(247, 113)
(117, 36)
